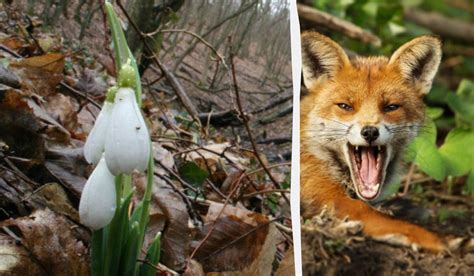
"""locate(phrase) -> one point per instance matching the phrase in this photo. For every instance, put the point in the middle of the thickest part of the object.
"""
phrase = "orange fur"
(367, 84)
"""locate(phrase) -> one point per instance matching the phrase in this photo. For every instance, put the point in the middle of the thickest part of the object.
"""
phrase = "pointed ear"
(322, 58)
(418, 61)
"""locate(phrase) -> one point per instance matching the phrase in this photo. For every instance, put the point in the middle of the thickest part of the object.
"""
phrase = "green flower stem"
(122, 52)
(127, 184)
(96, 253)
(118, 191)
(148, 192)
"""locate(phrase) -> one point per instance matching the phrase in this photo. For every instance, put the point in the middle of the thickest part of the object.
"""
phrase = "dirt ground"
(334, 247)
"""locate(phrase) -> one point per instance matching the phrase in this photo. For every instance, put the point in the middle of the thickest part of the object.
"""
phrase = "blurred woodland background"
(438, 187)
(217, 100)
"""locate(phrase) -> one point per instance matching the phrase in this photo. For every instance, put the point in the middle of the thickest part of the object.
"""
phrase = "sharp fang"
(380, 148)
(357, 148)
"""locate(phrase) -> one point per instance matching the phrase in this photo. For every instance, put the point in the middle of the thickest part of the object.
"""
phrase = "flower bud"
(94, 145)
(98, 199)
(127, 144)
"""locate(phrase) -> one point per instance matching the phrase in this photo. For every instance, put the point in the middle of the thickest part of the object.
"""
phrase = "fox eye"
(345, 106)
(391, 107)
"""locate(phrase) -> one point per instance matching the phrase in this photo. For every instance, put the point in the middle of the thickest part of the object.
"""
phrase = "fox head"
(361, 113)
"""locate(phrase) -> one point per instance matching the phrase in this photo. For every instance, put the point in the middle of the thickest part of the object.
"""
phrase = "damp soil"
(326, 251)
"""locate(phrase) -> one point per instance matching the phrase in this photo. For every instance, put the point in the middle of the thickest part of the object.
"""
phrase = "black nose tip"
(369, 133)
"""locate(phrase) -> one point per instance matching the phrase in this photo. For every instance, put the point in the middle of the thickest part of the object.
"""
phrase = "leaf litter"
(213, 203)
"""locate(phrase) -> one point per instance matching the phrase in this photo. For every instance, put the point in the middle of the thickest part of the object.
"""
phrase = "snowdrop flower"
(98, 200)
(127, 144)
(94, 145)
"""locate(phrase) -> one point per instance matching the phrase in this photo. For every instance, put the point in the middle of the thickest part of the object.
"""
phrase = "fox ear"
(418, 61)
(322, 58)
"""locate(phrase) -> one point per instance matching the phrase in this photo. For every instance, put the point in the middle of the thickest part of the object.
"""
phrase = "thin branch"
(183, 97)
(200, 38)
(247, 128)
(337, 24)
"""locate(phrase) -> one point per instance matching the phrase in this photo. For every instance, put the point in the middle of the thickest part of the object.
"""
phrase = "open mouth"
(367, 167)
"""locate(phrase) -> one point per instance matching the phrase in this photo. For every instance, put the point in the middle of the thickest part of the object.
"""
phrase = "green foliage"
(463, 103)
(444, 214)
(192, 174)
(455, 157)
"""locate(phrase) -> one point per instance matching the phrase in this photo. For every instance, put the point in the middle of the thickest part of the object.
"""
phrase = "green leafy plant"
(454, 157)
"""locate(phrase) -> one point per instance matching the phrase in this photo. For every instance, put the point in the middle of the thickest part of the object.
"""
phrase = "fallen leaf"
(16, 260)
(63, 109)
(39, 75)
(68, 166)
(242, 241)
(51, 242)
(176, 235)
(19, 128)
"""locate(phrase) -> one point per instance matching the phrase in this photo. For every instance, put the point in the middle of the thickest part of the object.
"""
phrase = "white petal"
(94, 145)
(127, 145)
(98, 199)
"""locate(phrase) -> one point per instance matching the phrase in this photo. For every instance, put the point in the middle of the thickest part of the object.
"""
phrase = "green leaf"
(192, 174)
(122, 52)
(130, 252)
(463, 102)
(434, 112)
(96, 253)
(427, 135)
(429, 160)
(458, 151)
(152, 256)
(118, 234)
(424, 152)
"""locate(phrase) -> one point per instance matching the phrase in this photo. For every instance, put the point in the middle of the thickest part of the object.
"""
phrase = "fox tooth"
(357, 148)
(380, 148)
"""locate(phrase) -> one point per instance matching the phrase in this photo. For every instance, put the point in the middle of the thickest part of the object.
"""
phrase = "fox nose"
(369, 133)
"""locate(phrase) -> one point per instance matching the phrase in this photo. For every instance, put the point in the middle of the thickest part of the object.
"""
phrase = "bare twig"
(442, 25)
(239, 238)
(337, 24)
(408, 179)
(214, 224)
(183, 97)
(79, 93)
(200, 38)
(247, 128)
(194, 216)
(265, 192)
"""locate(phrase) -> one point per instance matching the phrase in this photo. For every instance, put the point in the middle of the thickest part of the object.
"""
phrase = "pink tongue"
(368, 167)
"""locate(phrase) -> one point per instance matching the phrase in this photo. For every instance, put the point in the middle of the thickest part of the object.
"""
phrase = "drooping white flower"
(95, 142)
(98, 199)
(127, 144)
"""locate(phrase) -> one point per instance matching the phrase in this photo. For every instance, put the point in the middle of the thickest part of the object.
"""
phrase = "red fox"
(357, 119)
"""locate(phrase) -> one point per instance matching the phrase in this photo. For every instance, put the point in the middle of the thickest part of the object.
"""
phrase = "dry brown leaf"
(55, 198)
(41, 74)
(51, 242)
(16, 260)
(213, 155)
(63, 109)
(242, 241)
(68, 166)
(176, 235)
(194, 269)
(19, 128)
(287, 265)
(53, 62)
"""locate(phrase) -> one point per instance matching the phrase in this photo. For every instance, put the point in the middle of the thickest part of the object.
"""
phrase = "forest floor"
(335, 247)
(55, 85)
